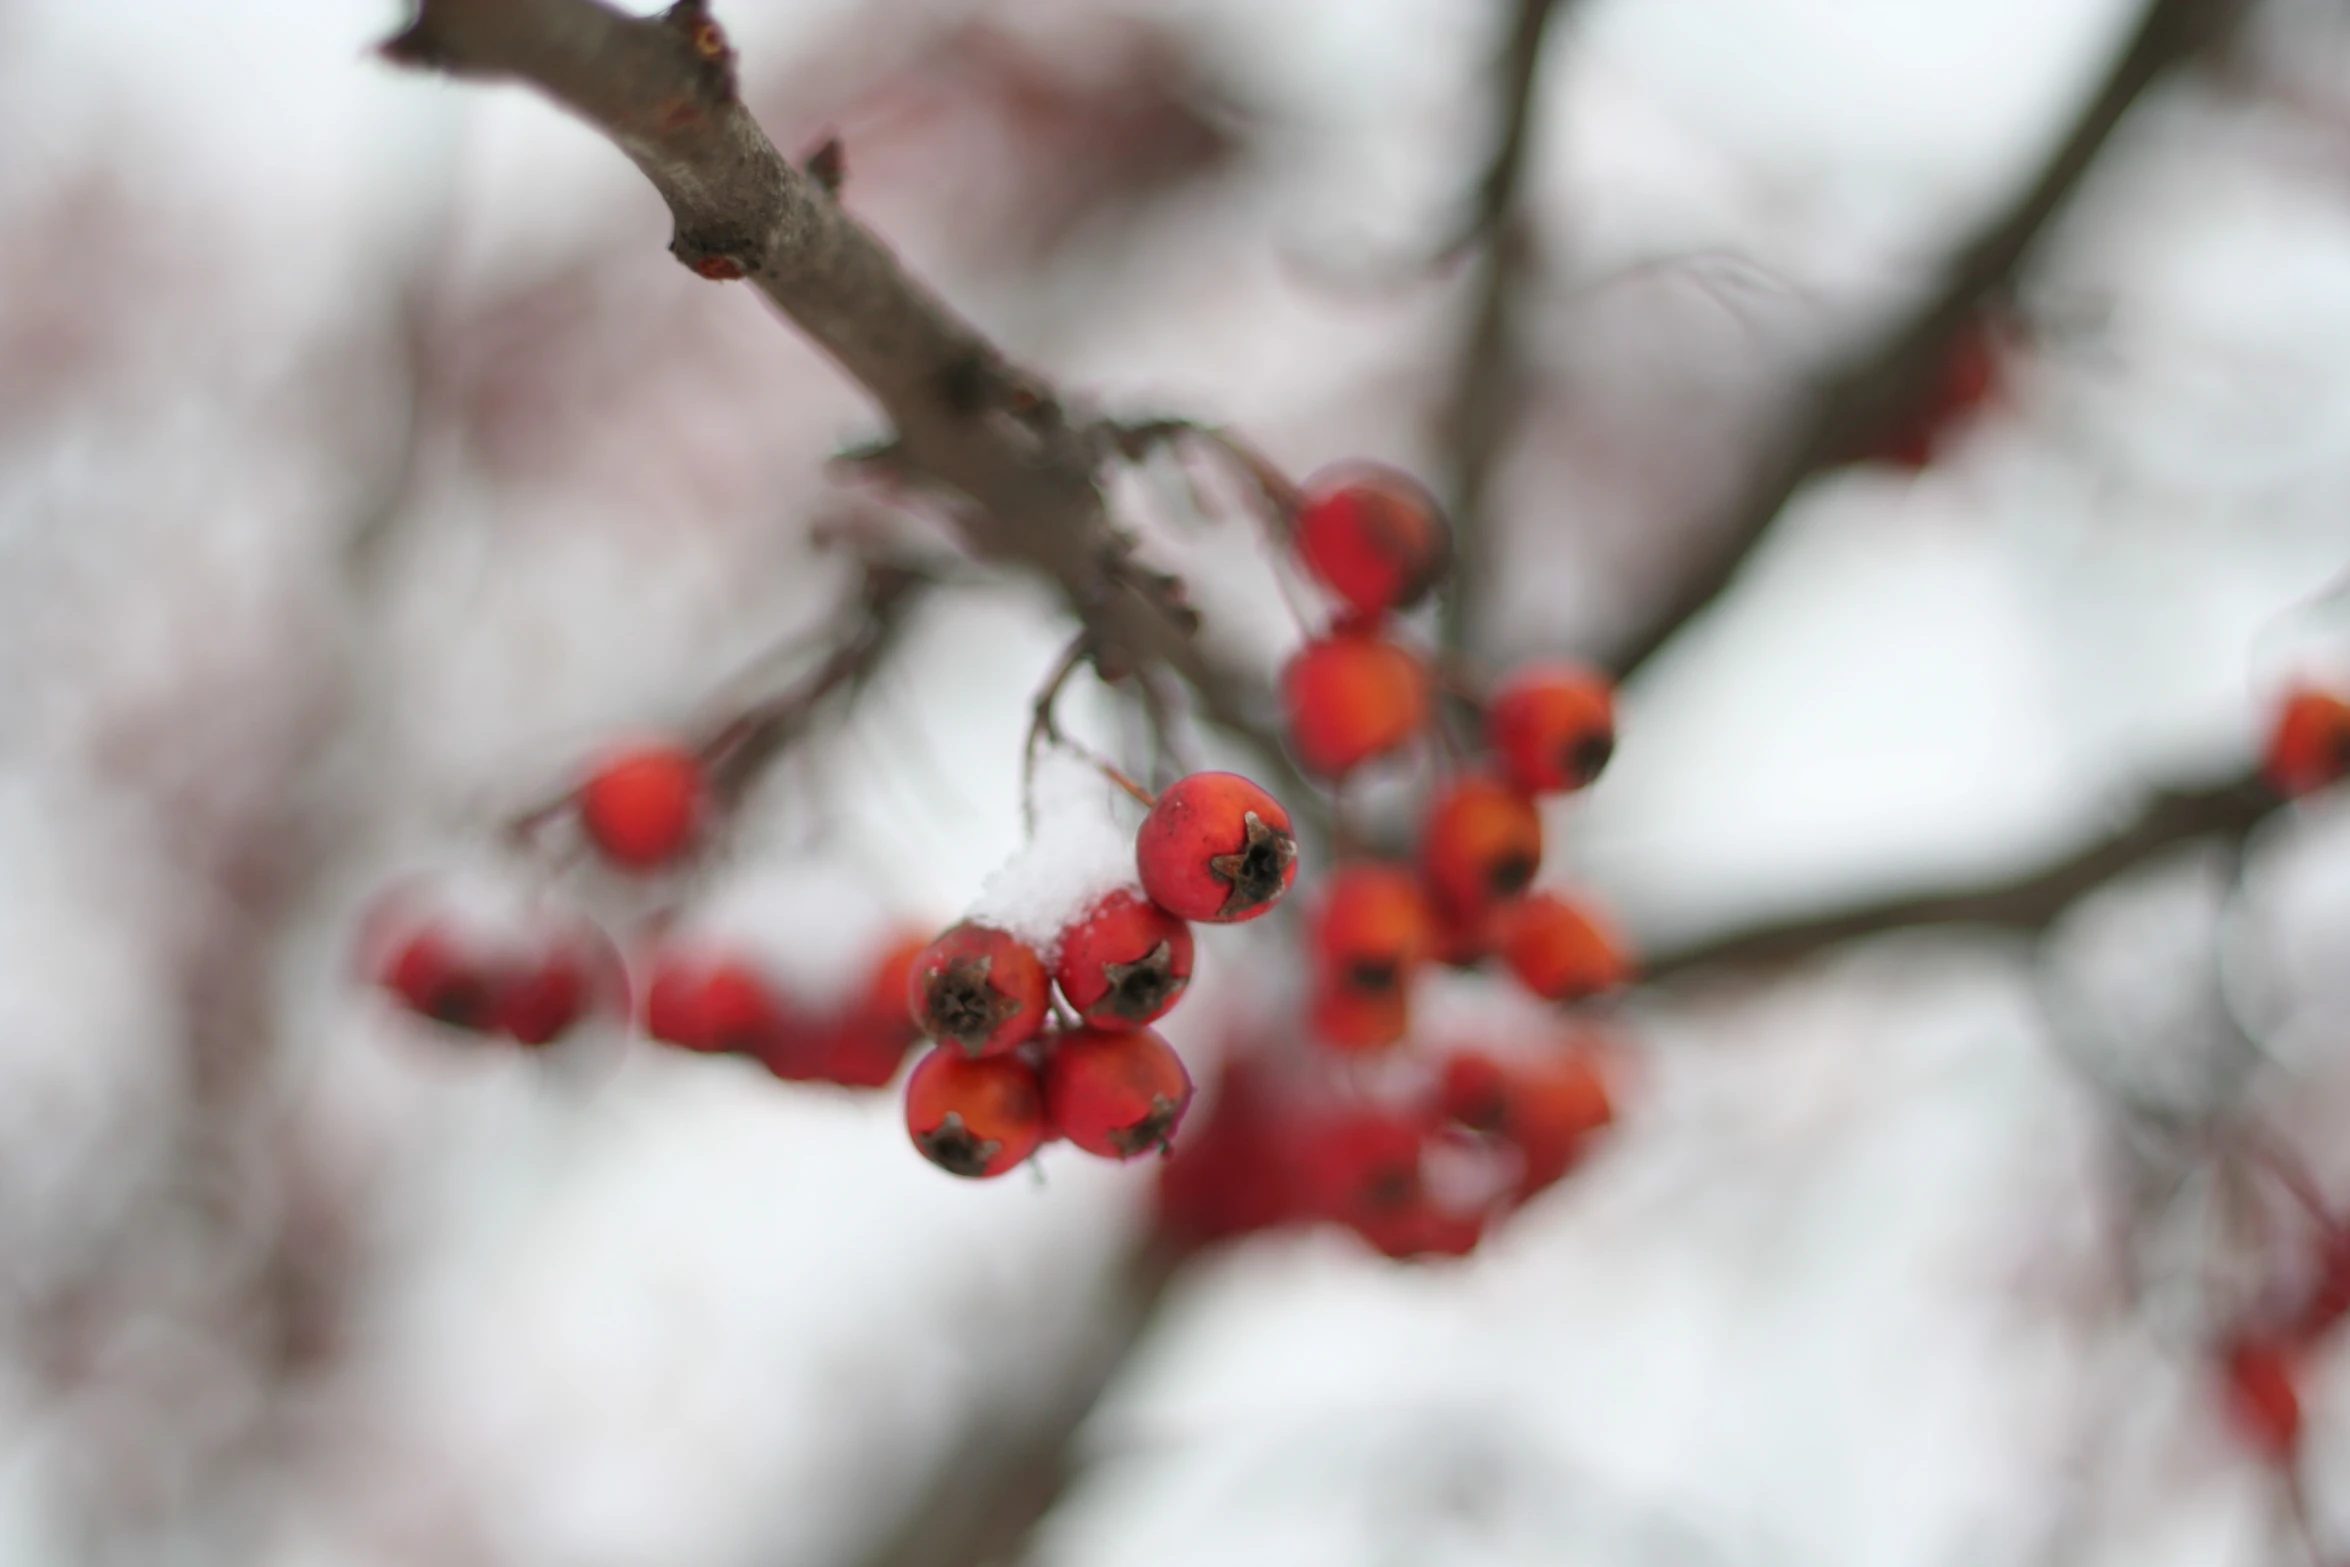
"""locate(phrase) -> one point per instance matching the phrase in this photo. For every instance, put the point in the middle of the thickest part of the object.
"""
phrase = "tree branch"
(2028, 903)
(663, 90)
(1872, 393)
(1477, 418)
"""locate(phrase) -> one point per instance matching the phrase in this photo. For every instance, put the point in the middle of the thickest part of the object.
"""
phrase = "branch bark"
(1862, 398)
(1478, 411)
(967, 419)
(2030, 902)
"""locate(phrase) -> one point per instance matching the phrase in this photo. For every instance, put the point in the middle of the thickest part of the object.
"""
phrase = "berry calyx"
(1351, 697)
(1559, 950)
(1481, 845)
(642, 808)
(2310, 746)
(1373, 536)
(978, 989)
(974, 1116)
(1126, 962)
(1553, 727)
(1216, 849)
(1115, 1093)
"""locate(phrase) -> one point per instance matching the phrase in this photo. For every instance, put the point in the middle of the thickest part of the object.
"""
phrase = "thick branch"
(1861, 399)
(663, 89)
(2028, 903)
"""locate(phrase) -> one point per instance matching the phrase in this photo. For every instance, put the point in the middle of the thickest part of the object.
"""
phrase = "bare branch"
(1477, 417)
(663, 90)
(1856, 401)
(2028, 903)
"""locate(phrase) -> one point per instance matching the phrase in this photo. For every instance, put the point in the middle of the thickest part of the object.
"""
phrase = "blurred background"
(365, 462)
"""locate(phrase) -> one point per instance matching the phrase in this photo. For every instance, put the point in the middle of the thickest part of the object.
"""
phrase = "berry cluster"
(533, 972)
(1008, 1073)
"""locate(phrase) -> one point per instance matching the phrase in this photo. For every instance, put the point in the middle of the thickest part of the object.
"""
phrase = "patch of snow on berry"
(1082, 852)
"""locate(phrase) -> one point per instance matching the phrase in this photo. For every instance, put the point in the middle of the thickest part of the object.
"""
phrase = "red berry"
(1363, 1167)
(1115, 1093)
(1481, 845)
(1351, 697)
(1475, 1092)
(642, 808)
(2262, 1398)
(1372, 927)
(1558, 949)
(1553, 727)
(1232, 1170)
(673, 1002)
(1373, 536)
(2310, 746)
(725, 1007)
(433, 977)
(1126, 962)
(978, 989)
(1552, 1111)
(543, 1000)
(1216, 849)
(974, 1116)
(869, 1043)
(1356, 1020)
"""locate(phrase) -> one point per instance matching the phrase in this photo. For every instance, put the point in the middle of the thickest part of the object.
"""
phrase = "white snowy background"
(1842, 1289)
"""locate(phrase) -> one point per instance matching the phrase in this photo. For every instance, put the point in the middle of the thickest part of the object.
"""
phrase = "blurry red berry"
(1371, 928)
(718, 1007)
(1480, 847)
(2310, 746)
(1126, 962)
(1373, 536)
(978, 989)
(1553, 726)
(573, 975)
(1475, 1091)
(1232, 1171)
(1560, 950)
(869, 1042)
(974, 1116)
(1350, 697)
(1356, 1020)
(1115, 1093)
(1216, 849)
(435, 978)
(1553, 1108)
(673, 1001)
(1362, 1166)
(642, 808)
(2262, 1398)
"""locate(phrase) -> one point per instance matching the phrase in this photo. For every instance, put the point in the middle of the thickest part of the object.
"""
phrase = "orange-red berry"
(1216, 849)
(1553, 1109)
(974, 1116)
(2310, 746)
(1373, 536)
(1126, 962)
(1115, 1092)
(544, 999)
(1475, 1091)
(1362, 1166)
(642, 808)
(1480, 847)
(1560, 950)
(978, 989)
(2262, 1397)
(721, 1007)
(1553, 726)
(1371, 930)
(1350, 697)
(1233, 1170)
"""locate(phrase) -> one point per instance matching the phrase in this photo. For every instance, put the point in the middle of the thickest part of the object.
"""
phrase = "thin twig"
(2030, 902)
(1871, 393)
(1478, 411)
